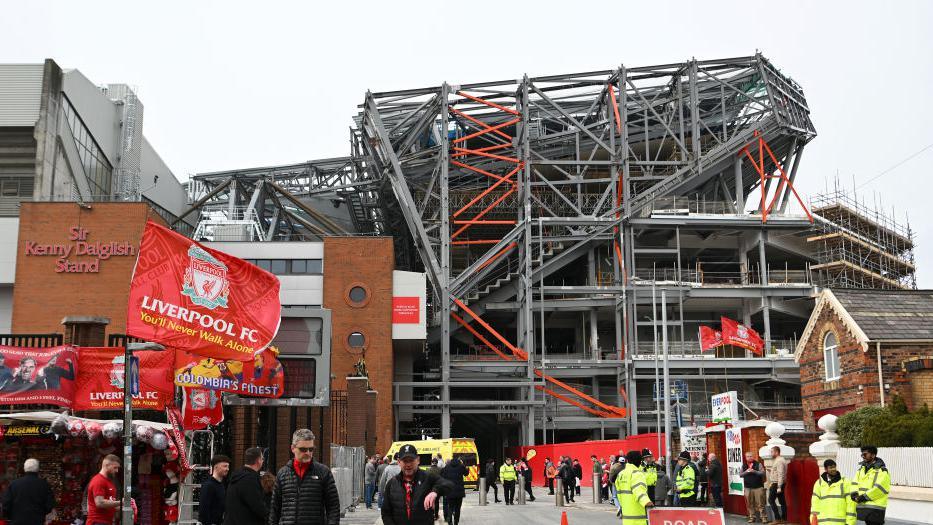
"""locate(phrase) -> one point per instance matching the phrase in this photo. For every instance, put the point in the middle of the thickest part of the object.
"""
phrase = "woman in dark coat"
(454, 471)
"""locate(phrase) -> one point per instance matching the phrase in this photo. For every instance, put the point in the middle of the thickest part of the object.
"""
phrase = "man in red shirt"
(102, 500)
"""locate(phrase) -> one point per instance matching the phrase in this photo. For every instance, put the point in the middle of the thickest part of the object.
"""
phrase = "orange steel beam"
(488, 190)
(486, 210)
(484, 154)
(477, 170)
(621, 411)
(574, 403)
(492, 223)
(760, 168)
(497, 255)
(479, 336)
(488, 103)
(477, 241)
(487, 148)
(485, 131)
(481, 124)
(521, 354)
(784, 180)
(615, 107)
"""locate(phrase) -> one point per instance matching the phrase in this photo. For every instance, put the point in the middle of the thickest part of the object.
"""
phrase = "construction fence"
(347, 465)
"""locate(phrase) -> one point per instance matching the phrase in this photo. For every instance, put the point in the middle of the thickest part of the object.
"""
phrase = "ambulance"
(463, 449)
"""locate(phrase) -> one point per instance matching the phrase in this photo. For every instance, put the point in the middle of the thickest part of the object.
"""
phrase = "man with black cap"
(686, 481)
(829, 503)
(410, 496)
(650, 468)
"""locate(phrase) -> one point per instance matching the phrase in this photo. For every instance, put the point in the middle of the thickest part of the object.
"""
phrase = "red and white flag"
(709, 338)
(203, 301)
(737, 334)
(201, 408)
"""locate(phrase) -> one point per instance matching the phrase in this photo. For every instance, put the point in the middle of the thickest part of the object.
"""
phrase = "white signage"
(734, 463)
(725, 407)
(692, 439)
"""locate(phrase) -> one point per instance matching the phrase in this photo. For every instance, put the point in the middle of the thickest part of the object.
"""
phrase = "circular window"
(358, 294)
(356, 340)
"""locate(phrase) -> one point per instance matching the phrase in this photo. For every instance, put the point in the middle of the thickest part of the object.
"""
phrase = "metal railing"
(31, 340)
(705, 278)
(348, 464)
(780, 349)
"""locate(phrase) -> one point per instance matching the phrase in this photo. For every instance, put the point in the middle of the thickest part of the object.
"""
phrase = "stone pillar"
(357, 411)
(85, 330)
(371, 408)
(828, 445)
(774, 431)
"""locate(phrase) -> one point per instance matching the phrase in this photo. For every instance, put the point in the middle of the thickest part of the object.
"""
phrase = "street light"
(127, 508)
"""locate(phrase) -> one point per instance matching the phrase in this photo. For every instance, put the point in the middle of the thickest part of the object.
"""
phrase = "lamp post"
(127, 507)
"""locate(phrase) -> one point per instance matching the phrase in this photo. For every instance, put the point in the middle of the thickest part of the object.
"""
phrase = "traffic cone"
(563, 518)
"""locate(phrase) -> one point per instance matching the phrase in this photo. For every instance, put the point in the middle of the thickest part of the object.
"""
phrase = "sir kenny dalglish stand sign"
(685, 516)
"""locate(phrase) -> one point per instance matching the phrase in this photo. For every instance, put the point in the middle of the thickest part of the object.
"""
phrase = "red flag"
(200, 300)
(201, 408)
(259, 377)
(709, 338)
(736, 334)
(100, 379)
(178, 435)
(38, 375)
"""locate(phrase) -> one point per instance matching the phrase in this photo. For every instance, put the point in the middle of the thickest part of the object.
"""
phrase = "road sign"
(678, 390)
(685, 516)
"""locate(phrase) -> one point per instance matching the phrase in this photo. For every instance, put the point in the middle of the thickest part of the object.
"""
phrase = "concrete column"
(739, 189)
(765, 300)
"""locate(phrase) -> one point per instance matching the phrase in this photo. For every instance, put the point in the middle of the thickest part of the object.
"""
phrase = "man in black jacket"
(28, 499)
(214, 493)
(246, 502)
(305, 492)
(715, 479)
(411, 495)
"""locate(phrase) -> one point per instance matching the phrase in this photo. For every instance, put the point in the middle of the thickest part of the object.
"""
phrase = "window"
(265, 264)
(278, 266)
(358, 294)
(356, 340)
(831, 356)
(299, 266)
(97, 169)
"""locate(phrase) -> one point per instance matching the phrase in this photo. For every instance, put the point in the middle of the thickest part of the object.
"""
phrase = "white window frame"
(831, 362)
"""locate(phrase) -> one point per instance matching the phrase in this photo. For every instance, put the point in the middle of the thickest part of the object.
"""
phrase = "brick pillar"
(371, 407)
(357, 411)
(84, 330)
(283, 435)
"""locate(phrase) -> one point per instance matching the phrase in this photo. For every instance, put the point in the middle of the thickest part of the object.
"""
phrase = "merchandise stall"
(70, 450)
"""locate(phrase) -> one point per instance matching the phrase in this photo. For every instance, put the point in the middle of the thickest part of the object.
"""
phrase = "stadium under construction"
(576, 230)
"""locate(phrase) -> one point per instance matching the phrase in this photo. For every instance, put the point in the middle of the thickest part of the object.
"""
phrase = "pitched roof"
(890, 315)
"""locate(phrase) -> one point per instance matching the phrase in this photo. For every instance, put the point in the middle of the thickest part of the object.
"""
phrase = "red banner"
(736, 334)
(203, 301)
(38, 375)
(201, 408)
(709, 338)
(178, 436)
(261, 376)
(685, 516)
(101, 373)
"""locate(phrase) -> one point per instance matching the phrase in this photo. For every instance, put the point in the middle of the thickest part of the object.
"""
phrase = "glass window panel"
(299, 266)
(264, 264)
(278, 266)
(315, 266)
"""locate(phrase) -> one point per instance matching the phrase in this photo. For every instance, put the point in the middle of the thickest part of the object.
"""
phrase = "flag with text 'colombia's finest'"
(203, 301)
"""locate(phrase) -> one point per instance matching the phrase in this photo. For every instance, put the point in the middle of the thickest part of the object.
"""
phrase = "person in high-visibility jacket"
(686, 481)
(873, 484)
(508, 476)
(632, 491)
(650, 468)
(831, 503)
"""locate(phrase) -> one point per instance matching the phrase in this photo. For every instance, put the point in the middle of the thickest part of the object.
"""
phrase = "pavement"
(541, 511)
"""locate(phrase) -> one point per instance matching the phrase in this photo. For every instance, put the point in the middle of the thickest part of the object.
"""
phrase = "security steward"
(686, 481)
(873, 484)
(650, 468)
(410, 496)
(830, 503)
(507, 476)
(632, 491)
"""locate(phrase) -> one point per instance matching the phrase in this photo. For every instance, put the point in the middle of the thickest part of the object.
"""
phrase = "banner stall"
(70, 450)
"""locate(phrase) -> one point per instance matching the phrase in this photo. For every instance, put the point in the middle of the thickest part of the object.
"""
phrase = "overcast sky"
(240, 84)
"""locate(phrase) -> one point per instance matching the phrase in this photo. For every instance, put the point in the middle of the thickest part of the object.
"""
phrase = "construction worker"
(650, 468)
(830, 503)
(508, 476)
(873, 483)
(632, 491)
(686, 481)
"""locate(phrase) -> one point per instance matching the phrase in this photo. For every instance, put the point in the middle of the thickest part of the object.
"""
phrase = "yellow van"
(463, 449)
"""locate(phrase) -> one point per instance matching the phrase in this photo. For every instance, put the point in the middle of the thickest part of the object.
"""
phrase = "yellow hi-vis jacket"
(874, 482)
(686, 481)
(651, 473)
(831, 502)
(632, 492)
(507, 473)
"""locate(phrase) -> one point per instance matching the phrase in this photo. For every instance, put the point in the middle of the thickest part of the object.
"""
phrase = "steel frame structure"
(499, 185)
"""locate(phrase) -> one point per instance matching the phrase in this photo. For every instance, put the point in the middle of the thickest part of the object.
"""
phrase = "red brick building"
(860, 347)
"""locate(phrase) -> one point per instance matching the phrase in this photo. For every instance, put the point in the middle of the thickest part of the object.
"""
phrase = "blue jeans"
(369, 490)
(612, 495)
(380, 499)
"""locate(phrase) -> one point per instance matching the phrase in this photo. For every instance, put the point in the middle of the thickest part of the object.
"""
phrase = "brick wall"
(858, 383)
(42, 297)
(367, 262)
(922, 387)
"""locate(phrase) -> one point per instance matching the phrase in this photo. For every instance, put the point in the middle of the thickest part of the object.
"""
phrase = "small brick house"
(860, 347)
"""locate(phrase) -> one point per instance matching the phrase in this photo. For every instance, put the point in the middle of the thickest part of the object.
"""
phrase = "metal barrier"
(348, 465)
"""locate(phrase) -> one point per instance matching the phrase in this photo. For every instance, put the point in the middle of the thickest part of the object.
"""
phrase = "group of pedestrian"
(508, 474)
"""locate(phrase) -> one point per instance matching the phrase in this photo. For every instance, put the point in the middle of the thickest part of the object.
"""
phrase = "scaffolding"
(857, 246)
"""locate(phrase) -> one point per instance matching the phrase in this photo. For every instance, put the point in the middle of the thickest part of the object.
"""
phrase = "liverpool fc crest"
(206, 279)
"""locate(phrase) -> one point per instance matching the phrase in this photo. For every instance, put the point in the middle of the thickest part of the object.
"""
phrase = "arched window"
(831, 356)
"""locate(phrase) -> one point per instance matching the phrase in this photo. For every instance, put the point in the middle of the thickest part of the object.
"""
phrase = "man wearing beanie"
(686, 481)
(829, 503)
(632, 491)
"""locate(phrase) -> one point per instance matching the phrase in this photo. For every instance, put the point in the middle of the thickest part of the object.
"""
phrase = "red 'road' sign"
(685, 516)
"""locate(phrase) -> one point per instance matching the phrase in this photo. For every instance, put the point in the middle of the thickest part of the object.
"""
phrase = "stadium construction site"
(576, 230)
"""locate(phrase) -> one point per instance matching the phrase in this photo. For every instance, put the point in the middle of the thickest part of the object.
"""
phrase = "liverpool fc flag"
(709, 338)
(736, 334)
